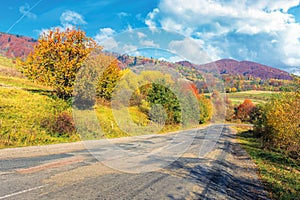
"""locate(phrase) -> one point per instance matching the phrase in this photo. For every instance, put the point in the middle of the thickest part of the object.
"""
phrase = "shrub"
(278, 123)
(60, 125)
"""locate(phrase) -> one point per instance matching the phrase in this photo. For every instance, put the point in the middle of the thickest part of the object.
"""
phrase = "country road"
(70, 171)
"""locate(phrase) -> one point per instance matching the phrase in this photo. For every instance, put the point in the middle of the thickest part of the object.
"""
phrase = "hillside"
(15, 45)
(242, 68)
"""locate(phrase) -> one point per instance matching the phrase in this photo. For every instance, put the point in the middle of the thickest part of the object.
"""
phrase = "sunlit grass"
(22, 83)
(257, 97)
(280, 174)
(21, 113)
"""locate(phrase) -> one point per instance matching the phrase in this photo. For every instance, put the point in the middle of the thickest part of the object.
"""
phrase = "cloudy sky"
(265, 31)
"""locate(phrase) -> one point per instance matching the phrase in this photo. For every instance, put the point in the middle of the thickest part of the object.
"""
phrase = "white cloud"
(191, 50)
(271, 5)
(105, 39)
(247, 17)
(25, 10)
(149, 21)
(141, 35)
(290, 44)
(71, 18)
(219, 22)
(170, 25)
(171, 59)
(129, 28)
(148, 43)
(295, 71)
(129, 48)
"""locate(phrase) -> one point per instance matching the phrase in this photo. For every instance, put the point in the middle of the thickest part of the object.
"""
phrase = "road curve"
(69, 171)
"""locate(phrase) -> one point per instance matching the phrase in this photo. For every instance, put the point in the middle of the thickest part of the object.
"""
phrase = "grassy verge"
(279, 173)
(23, 113)
(123, 123)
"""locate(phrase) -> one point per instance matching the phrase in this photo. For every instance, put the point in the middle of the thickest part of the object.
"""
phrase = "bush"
(278, 123)
(60, 125)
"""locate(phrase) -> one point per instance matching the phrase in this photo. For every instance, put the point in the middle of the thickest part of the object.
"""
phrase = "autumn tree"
(206, 109)
(244, 110)
(97, 78)
(57, 58)
(278, 123)
(108, 79)
(159, 94)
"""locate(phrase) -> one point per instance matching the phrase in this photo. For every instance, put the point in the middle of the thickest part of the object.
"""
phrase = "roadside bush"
(60, 125)
(278, 123)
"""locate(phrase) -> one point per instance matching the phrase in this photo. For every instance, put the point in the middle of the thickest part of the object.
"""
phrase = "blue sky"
(264, 31)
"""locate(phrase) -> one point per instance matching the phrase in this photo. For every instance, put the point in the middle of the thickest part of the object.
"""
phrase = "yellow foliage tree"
(57, 58)
(279, 123)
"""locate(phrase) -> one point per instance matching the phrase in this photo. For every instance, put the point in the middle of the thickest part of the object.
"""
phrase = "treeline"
(232, 83)
(245, 83)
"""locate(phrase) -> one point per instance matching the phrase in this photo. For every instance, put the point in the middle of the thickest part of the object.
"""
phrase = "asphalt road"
(171, 166)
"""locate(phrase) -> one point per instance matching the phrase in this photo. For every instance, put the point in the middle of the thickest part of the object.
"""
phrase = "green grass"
(21, 83)
(257, 97)
(21, 114)
(279, 173)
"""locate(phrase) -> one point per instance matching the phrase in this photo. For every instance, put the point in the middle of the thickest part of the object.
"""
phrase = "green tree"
(158, 94)
(57, 58)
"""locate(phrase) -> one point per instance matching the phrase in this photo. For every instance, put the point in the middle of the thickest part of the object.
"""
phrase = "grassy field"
(279, 173)
(257, 97)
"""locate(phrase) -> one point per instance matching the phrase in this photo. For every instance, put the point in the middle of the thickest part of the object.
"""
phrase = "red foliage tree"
(243, 110)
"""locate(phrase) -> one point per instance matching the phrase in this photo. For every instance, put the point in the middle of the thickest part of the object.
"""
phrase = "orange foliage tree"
(243, 110)
(57, 58)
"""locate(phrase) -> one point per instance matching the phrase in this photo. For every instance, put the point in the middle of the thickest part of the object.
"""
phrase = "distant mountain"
(242, 68)
(13, 46)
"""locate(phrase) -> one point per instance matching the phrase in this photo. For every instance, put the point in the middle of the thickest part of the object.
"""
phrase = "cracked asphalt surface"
(69, 171)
